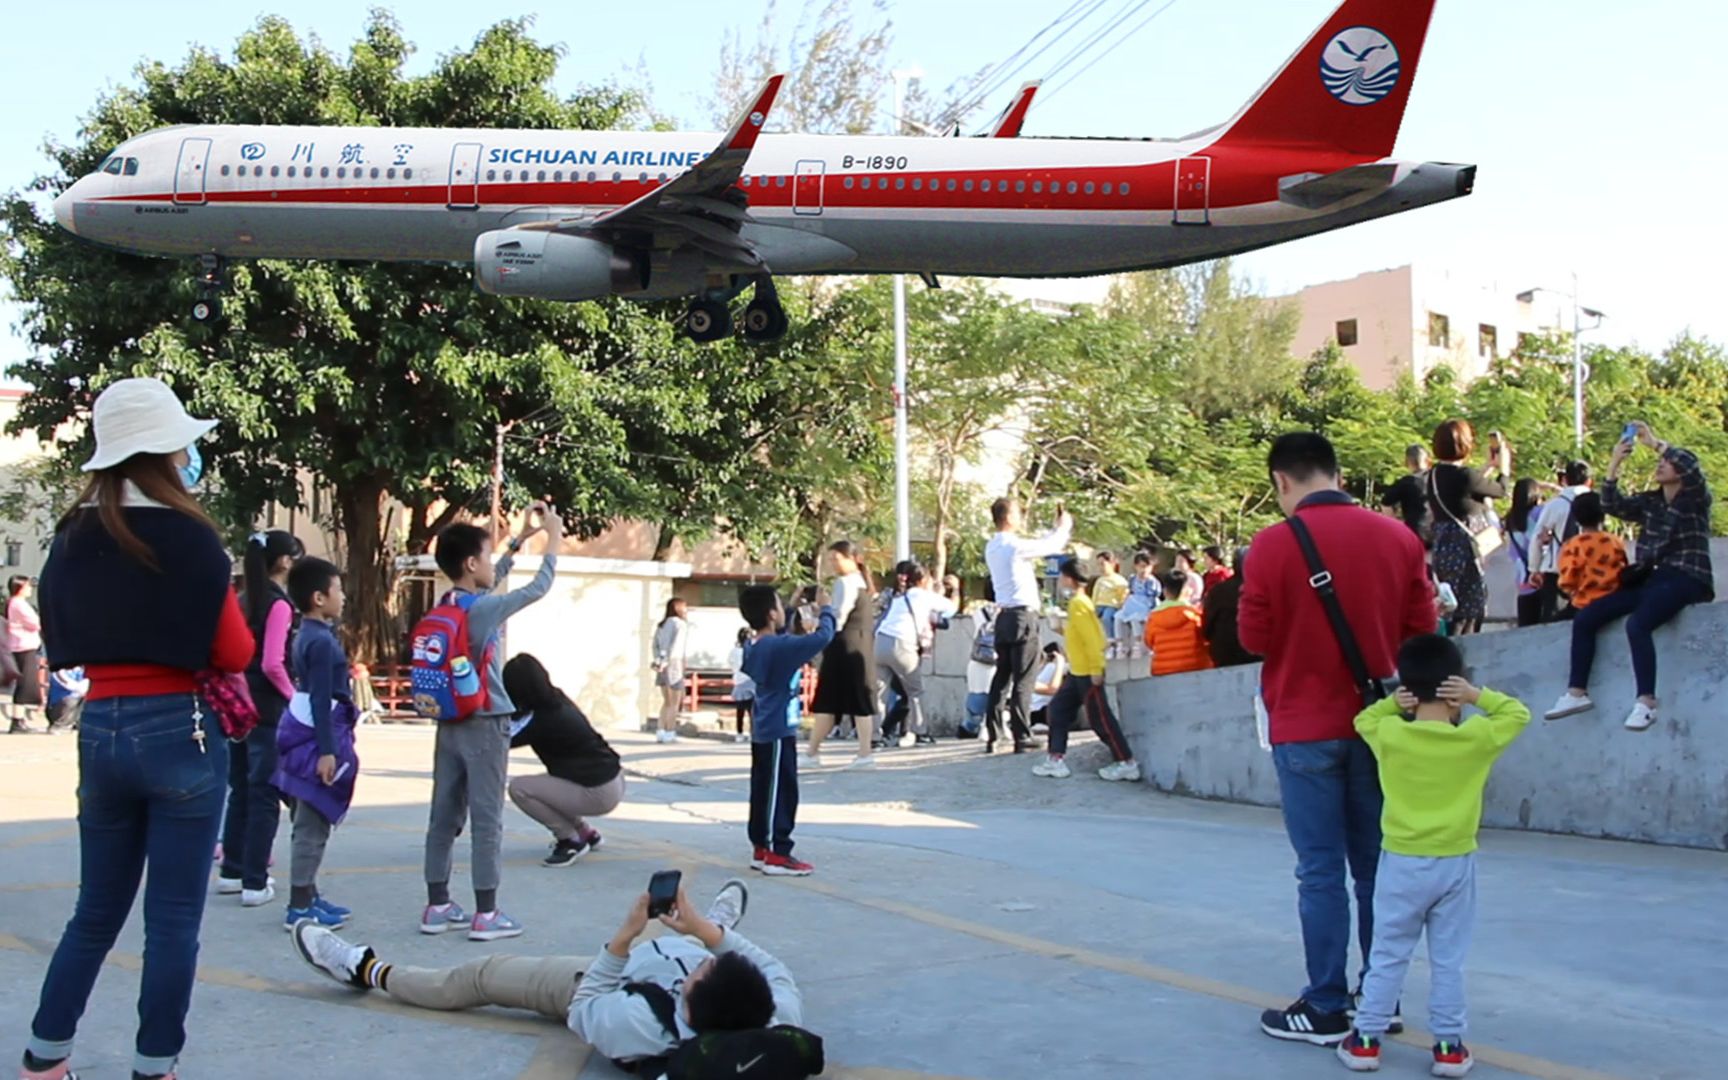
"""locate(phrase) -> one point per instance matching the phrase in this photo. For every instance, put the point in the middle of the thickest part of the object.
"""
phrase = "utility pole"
(902, 450)
(498, 529)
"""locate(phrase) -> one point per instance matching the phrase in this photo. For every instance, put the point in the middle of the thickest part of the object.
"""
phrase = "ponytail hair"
(263, 549)
(855, 552)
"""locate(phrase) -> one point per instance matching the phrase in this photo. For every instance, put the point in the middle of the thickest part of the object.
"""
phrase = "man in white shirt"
(1549, 536)
(1011, 559)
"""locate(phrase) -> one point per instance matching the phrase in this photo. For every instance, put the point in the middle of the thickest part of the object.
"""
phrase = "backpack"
(446, 684)
(782, 1052)
(984, 642)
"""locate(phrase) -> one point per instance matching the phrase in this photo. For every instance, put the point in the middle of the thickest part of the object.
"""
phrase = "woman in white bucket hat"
(137, 591)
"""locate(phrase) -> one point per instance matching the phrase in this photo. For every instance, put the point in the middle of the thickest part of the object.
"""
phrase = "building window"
(1439, 330)
(1488, 342)
(14, 553)
(1346, 332)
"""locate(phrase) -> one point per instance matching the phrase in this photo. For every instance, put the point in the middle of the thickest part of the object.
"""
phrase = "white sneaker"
(867, 762)
(329, 955)
(809, 761)
(660, 736)
(1120, 770)
(729, 904)
(1569, 705)
(908, 741)
(228, 886)
(671, 736)
(1040, 729)
(258, 897)
(740, 738)
(1641, 717)
(1054, 768)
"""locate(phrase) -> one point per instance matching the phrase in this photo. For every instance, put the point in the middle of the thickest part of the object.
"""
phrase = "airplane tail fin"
(1346, 87)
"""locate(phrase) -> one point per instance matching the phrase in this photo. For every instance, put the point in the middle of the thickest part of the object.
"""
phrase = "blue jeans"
(148, 792)
(1107, 616)
(976, 706)
(254, 809)
(1332, 801)
(1649, 606)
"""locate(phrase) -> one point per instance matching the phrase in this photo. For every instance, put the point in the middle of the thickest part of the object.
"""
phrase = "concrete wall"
(1586, 775)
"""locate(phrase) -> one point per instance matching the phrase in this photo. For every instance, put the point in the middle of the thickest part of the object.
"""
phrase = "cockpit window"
(131, 167)
(113, 166)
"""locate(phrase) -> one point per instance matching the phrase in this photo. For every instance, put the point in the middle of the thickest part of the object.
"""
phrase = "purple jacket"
(296, 773)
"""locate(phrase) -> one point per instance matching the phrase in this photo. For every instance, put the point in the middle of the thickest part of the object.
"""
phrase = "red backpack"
(446, 682)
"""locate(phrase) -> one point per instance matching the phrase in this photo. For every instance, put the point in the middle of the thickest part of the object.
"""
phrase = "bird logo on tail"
(1359, 66)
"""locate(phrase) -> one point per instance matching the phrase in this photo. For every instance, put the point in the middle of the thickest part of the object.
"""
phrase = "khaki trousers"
(561, 805)
(543, 985)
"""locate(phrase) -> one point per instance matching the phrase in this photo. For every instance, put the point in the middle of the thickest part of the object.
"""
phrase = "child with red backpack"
(458, 680)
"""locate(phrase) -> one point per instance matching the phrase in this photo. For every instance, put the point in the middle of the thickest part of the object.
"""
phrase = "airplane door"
(807, 188)
(1193, 200)
(465, 176)
(189, 174)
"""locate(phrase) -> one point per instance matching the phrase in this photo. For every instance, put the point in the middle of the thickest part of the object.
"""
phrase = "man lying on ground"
(634, 1003)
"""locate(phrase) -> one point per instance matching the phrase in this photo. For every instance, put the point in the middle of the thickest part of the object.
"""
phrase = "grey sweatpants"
(1413, 894)
(538, 984)
(899, 657)
(310, 837)
(469, 762)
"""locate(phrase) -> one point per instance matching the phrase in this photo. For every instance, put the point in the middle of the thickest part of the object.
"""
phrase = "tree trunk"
(663, 542)
(370, 573)
(944, 505)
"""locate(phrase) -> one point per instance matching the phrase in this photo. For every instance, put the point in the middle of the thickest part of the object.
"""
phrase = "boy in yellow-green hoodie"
(1084, 688)
(1434, 764)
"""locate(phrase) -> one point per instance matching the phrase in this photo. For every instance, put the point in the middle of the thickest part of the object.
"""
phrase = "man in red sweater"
(1327, 776)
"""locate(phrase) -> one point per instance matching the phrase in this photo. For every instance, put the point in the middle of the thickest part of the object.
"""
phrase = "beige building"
(1411, 319)
(24, 533)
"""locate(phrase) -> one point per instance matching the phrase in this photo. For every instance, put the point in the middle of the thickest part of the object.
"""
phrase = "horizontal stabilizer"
(1312, 191)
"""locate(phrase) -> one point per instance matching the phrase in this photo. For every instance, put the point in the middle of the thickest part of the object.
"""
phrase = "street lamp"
(1578, 314)
(902, 477)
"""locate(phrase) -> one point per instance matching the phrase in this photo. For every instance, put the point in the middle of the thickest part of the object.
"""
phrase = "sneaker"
(493, 926)
(1452, 1059)
(866, 762)
(1054, 768)
(1360, 1053)
(229, 886)
(257, 897)
(908, 741)
(1302, 1022)
(809, 761)
(332, 909)
(313, 914)
(1120, 770)
(1040, 729)
(329, 954)
(740, 738)
(1569, 705)
(729, 904)
(1395, 1026)
(928, 740)
(34, 1069)
(1641, 717)
(661, 736)
(757, 857)
(785, 866)
(593, 839)
(565, 853)
(671, 736)
(438, 918)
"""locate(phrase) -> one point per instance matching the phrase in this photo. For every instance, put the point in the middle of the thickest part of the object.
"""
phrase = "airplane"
(580, 215)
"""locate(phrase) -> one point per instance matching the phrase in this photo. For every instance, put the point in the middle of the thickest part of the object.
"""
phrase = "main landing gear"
(212, 280)
(710, 318)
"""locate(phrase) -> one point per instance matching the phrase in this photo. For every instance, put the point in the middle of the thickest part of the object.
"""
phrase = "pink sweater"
(23, 627)
(274, 658)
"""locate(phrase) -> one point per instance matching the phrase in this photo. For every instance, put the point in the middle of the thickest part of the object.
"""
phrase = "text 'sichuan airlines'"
(575, 215)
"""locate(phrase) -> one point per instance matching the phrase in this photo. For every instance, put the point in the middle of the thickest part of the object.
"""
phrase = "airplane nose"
(63, 211)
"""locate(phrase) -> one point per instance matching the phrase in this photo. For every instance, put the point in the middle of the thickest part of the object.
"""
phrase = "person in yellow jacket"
(1084, 688)
(1434, 764)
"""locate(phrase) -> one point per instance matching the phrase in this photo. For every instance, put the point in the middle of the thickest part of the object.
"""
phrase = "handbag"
(1484, 535)
(1320, 580)
(230, 699)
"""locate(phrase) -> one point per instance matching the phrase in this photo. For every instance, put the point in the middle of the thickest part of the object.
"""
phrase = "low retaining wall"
(1586, 775)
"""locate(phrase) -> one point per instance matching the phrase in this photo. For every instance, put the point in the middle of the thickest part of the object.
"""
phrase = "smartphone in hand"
(663, 891)
(1630, 435)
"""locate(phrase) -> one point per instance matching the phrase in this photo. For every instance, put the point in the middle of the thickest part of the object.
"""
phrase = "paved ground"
(966, 921)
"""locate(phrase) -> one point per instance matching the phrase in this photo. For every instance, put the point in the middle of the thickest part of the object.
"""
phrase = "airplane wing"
(701, 207)
(1010, 123)
(1315, 192)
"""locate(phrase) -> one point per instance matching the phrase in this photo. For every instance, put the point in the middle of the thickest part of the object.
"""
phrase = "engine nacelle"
(554, 266)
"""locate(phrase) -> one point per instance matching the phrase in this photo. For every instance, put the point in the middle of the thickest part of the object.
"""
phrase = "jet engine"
(554, 266)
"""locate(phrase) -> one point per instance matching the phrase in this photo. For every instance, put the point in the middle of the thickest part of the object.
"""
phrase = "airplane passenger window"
(617, 176)
(324, 173)
(509, 173)
(1107, 187)
(374, 172)
(111, 166)
(558, 177)
(291, 170)
(642, 178)
(1073, 187)
(275, 170)
(591, 176)
(849, 182)
(491, 174)
(917, 184)
(542, 176)
(900, 183)
(257, 170)
(224, 170)
(866, 183)
(952, 185)
(662, 178)
(131, 166)
(1124, 188)
(389, 174)
(779, 181)
(1090, 187)
(967, 185)
(1037, 187)
(1020, 187)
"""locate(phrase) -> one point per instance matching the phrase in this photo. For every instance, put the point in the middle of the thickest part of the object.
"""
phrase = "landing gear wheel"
(708, 320)
(207, 309)
(765, 320)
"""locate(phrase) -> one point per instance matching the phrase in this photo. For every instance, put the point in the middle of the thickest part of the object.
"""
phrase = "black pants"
(1016, 668)
(745, 709)
(254, 808)
(1086, 692)
(773, 794)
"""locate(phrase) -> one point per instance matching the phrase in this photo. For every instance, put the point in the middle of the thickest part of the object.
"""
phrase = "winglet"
(1008, 127)
(749, 125)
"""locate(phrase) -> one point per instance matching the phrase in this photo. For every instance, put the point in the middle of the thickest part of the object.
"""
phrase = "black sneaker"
(565, 853)
(1396, 1027)
(1302, 1022)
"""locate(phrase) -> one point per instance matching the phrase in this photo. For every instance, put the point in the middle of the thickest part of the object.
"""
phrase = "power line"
(996, 77)
(1113, 47)
(1129, 10)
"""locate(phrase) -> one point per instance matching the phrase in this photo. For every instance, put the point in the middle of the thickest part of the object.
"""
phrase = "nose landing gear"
(212, 280)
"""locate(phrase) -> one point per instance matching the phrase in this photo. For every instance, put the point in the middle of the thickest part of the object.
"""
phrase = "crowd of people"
(207, 709)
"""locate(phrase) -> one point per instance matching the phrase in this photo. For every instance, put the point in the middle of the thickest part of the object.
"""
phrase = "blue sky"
(1599, 142)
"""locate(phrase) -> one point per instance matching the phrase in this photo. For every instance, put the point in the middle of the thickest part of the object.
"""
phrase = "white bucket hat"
(141, 416)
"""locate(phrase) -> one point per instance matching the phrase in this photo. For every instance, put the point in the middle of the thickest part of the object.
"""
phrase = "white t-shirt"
(1045, 675)
(844, 595)
(1011, 556)
(908, 612)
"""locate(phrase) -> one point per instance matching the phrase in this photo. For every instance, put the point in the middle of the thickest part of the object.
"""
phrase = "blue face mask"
(193, 470)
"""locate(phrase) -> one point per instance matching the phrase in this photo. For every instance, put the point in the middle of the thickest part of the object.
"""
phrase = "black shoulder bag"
(1320, 580)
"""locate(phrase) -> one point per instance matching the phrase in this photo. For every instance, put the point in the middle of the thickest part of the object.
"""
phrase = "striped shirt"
(1674, 534)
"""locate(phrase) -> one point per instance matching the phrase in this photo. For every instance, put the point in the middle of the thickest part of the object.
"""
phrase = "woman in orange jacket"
(1173, 632)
